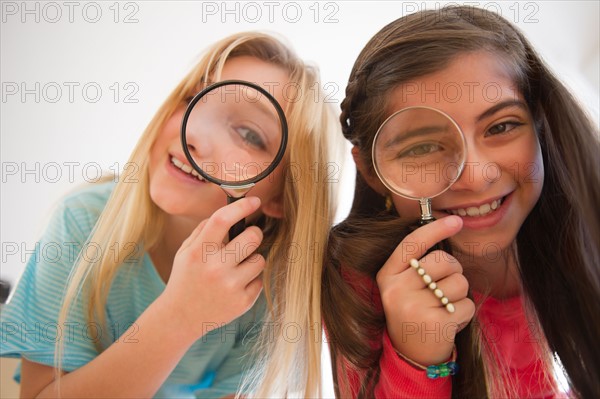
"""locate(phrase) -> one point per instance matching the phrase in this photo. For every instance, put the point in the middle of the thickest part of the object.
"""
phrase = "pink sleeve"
(399, 379)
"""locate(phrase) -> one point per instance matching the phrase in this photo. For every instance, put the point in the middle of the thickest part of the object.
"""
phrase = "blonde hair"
(292, 286)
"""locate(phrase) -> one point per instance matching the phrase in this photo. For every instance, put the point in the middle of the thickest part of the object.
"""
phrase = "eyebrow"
(504, 104)
(414, 133)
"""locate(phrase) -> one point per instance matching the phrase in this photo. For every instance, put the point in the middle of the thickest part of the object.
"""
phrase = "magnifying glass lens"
(233, 133)
(419, 152)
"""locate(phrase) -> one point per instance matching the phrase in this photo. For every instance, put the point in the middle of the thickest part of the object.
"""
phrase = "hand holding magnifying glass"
(234, 134)
(418, 153)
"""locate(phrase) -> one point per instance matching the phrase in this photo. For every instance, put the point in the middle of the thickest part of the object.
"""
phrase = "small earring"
(388, 202)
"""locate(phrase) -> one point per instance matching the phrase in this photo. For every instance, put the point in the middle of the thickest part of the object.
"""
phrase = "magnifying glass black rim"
(461, 162)
(280, 151)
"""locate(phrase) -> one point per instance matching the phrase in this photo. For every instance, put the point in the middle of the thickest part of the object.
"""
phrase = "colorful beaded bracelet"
(442, 370)
(434, 371)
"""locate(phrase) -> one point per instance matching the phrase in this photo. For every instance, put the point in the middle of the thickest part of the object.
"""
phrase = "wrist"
(433, 371)
(420, 351)
(179, 325)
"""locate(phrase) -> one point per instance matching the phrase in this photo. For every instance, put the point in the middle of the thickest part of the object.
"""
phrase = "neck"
(495, 275)
(175, 230)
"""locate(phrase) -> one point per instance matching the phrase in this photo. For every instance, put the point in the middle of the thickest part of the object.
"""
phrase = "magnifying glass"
(234, 134)
(418, 153)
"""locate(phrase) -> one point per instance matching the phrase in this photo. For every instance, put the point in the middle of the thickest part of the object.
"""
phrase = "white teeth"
(475, 211)
(472, 211)
(176, 162)
(186, 168)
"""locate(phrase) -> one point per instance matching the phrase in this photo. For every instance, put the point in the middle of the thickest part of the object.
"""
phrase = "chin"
(477, 247)
(165, 201)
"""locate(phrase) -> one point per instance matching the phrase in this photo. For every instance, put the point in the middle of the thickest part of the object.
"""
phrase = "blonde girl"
(141, 294)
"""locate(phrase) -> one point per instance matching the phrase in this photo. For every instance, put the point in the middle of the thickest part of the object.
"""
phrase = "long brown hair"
(558, 245)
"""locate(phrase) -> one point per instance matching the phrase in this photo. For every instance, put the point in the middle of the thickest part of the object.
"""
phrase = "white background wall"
(80, 80)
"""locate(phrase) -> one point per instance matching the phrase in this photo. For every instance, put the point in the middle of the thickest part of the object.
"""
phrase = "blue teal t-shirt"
(213, 365)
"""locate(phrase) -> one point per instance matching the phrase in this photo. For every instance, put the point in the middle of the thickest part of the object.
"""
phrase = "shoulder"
(71, 224)
(37, 299)
(79, 210)
(90, 198)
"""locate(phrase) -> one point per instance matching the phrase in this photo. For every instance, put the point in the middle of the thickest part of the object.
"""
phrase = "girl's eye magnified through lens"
(234, 134)
(418, 153)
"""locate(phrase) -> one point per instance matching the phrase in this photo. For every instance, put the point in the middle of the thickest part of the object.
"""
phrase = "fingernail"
(254, 201)
(452, 221)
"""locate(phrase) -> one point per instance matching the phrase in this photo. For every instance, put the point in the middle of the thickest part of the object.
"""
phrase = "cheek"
(537, 160)
(168, 133)
(406, 207)
(271, 186)
(157, 152)
(528, 165)
(535, 174)
(154, 160)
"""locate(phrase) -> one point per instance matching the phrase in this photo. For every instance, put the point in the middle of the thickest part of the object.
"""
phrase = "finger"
(425, 276)
(425, 299)
(242, 246)
(464, 310)
(253, 289)
(218, 225)
(458, 311)
(245, 243)
(416, 244)
(251, 269)
(466, 313)
(455, 287)
(249, 294)
(440, 264)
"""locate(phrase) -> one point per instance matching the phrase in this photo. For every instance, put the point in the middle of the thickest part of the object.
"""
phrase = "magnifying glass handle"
(237, 228)
(426, 218)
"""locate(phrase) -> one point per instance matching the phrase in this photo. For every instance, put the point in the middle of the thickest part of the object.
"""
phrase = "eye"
(251, 137)
(420, 150)
(503, 127)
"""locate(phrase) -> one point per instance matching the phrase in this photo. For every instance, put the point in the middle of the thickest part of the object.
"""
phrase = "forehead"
(472, 82)
(273, 78)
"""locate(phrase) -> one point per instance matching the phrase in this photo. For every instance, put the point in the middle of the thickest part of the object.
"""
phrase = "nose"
(201, 150)
(199, 144)
(478, 173)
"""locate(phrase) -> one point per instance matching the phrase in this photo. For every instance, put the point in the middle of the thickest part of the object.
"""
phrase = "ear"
(367, 172)
(273, 207)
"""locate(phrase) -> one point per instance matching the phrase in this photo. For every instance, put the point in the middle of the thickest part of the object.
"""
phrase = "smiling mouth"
(477, 211)
(186, 168)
